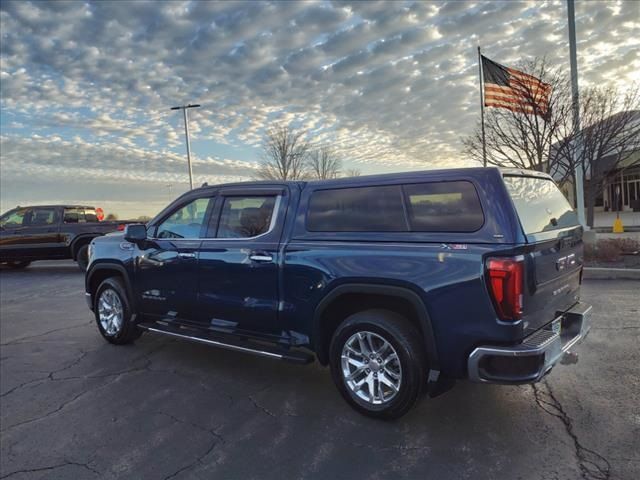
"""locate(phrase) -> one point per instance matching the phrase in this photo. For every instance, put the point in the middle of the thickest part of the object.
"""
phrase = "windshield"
(541, 206)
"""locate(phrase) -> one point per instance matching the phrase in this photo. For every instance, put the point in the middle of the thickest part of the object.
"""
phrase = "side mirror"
(135, 232)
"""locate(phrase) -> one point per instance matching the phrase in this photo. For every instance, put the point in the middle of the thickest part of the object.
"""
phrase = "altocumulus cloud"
(86, 86)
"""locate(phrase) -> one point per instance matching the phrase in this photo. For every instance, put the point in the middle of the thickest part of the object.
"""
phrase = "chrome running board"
(238, 345)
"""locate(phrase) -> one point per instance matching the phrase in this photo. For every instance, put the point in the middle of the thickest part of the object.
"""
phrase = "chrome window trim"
(272, 224)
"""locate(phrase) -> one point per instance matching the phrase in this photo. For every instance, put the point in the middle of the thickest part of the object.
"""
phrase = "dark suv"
(401, 283)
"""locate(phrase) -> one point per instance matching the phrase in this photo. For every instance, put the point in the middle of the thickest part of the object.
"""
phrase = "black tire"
(128, 332)
(82, 257)
(18, 264)
(405, 340)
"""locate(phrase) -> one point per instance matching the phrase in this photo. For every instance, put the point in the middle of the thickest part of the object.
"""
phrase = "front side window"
(13, 219)
(361, 209)
(42, 216)
(186, 222)
(245, 217)
(443, 207)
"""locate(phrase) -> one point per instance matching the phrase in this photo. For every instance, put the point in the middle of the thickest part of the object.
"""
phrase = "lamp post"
(573, 58)
(186, 134)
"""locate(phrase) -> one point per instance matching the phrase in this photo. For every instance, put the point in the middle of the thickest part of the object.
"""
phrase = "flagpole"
(484, 144)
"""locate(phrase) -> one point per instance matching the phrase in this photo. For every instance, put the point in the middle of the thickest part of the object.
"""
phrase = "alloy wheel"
(371, 368)
(110, 312)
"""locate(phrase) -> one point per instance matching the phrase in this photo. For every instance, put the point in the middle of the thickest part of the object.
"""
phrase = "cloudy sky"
(86, 86)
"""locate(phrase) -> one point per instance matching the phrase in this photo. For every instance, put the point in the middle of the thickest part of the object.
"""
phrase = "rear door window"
(90, 215)
(443, 207)
(246, 217)
(43, 216)
(541, 206)
(73, 215)
(362, 209)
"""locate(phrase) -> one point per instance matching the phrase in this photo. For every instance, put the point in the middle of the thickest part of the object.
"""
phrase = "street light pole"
(576, 112)
(186, 135)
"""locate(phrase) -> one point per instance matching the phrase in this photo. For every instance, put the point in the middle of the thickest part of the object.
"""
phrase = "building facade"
(618, 176)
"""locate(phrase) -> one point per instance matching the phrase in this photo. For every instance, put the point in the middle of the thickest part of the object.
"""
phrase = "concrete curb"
(599, 273)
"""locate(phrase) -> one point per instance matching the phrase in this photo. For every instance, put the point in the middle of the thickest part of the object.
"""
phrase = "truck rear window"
(541, 206)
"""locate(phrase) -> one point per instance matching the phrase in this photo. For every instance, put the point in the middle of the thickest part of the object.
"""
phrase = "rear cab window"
(540, 204)
(437, 206)
(361, 209)
(443, 207)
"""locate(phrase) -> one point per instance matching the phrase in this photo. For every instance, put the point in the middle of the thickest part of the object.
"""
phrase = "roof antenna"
(205, 184)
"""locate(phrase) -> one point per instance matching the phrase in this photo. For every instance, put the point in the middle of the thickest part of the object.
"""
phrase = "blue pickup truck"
(401, 283)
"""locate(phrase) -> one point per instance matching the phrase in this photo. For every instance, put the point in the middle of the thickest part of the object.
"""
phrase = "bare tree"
(285, 154)
(610, 136)
(352, 172)
(324, 164)
(523, 140)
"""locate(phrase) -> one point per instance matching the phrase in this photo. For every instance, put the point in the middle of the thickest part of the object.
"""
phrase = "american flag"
(514, 90)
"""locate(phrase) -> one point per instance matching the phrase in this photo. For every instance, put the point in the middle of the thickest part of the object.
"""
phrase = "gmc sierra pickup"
(50, 232)
(401, 283)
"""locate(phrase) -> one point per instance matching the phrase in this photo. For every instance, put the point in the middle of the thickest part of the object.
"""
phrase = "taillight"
(506, 277)
(121, 227)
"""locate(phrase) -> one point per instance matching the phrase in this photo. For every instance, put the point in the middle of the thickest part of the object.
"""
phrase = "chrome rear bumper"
(529, 361)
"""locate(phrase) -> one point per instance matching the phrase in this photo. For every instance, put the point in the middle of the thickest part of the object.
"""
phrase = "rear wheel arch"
(80, 242)
(347, 299)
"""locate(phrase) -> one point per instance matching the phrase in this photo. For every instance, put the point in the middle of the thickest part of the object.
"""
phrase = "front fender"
(98, 270)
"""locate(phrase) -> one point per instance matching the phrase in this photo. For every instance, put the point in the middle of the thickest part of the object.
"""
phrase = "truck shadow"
(42, 270)
(269, 408)
(290, 390)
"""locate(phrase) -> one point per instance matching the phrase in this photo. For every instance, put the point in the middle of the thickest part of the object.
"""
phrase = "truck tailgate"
(553, 271)
(554, 249)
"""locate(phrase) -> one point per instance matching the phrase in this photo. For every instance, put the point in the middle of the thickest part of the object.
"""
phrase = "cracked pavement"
(73, 406)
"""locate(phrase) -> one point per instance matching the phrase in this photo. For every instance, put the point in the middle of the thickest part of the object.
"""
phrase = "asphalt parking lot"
(73, 406)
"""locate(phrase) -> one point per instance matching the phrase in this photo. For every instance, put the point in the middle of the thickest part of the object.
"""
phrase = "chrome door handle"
(260, 258)
(187, 255)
